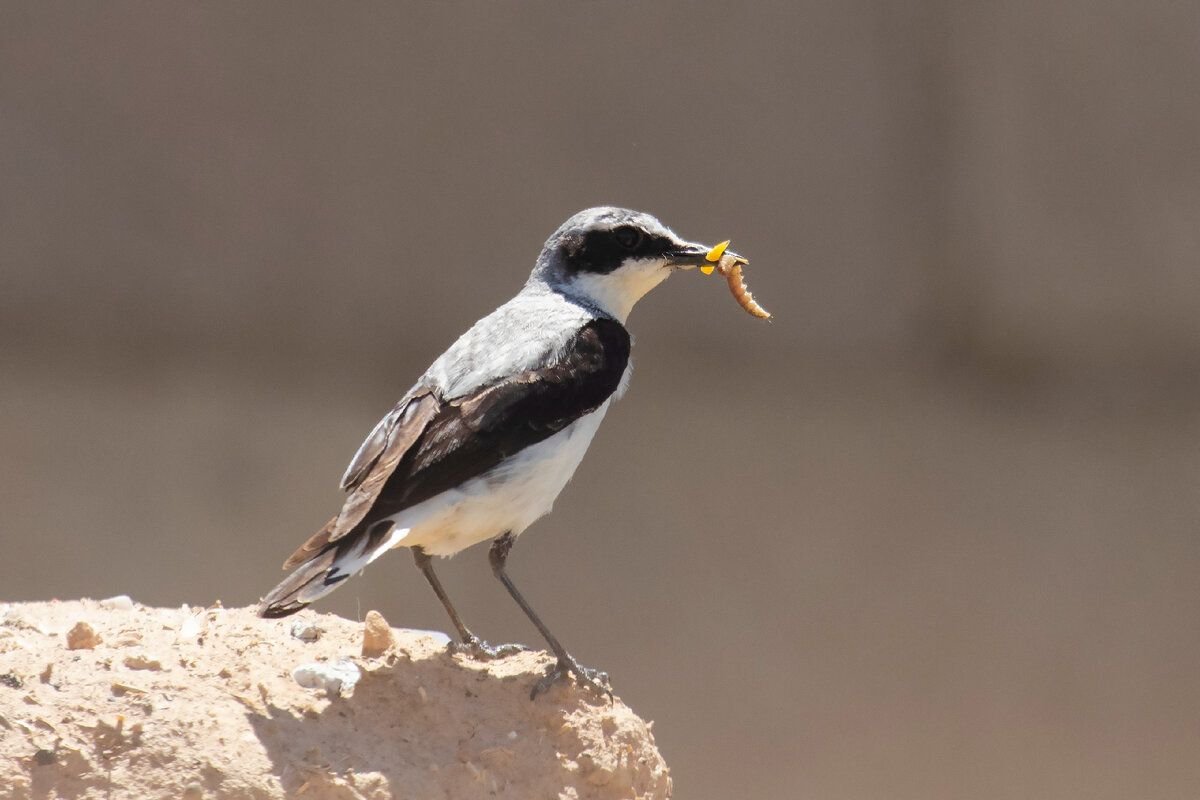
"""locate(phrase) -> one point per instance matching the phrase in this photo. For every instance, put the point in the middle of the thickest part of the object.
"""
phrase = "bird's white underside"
(510, 497)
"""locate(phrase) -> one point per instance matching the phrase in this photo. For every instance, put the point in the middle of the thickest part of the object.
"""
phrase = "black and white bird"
(482, 444)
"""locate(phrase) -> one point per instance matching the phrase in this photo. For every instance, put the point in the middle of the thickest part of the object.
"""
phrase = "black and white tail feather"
(326, 570)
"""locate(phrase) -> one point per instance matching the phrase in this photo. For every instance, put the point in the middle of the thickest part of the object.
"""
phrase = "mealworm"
(730, 266)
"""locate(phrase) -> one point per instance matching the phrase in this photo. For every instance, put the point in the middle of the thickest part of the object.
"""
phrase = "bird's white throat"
(616, 292)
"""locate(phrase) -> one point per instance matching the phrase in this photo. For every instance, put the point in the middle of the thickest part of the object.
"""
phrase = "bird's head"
(611, 257)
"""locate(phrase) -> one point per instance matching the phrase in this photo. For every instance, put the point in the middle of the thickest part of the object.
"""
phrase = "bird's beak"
(692, 255)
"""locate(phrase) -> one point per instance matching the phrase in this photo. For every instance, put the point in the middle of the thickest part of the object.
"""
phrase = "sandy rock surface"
(203, 703)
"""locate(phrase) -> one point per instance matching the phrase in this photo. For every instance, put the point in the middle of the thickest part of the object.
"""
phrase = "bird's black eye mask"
(602, 251)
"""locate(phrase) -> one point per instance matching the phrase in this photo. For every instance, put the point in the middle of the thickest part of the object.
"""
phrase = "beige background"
(933, 534)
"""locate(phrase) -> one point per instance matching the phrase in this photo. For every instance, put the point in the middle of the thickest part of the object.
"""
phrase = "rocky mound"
(111, 699)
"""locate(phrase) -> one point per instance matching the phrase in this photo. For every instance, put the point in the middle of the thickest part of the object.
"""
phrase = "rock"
(377, 635)
(335, 678)
(82, 637)
(234, 722)
(122, 689)
(142, 661)
(127, 639)
(306, 631)
(121, 602)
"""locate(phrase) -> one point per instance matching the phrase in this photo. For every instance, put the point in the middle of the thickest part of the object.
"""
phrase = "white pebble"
(121, 602)
(334, 678)
(191, 625)
(306, 631)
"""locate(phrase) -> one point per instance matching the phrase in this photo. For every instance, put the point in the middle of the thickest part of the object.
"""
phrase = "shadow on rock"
(444, 726)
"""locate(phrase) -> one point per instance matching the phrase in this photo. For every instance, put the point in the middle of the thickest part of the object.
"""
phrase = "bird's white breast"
(509, 497)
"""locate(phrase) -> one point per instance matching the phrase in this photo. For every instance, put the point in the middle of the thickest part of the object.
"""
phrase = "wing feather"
(370, 469)
(427, 445)
(472, 434)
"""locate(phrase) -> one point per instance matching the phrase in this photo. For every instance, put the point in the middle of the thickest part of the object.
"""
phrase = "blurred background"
(932, 534)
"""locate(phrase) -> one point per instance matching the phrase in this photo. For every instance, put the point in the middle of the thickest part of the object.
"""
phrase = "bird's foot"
(594, 679)
(480, 650)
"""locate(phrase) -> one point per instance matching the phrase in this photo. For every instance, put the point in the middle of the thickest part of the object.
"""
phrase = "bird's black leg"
(566, 664)
(470, 643)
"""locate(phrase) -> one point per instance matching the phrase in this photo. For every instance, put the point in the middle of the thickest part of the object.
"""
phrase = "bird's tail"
(328, 567)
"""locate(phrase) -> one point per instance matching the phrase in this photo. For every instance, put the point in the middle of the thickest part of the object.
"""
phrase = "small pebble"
(333, 678)
(128, 639)
(306, 631)
(122, 689)
(191, 625)
(121, 602)
(82, 637)
(377, 635)
(143, 662)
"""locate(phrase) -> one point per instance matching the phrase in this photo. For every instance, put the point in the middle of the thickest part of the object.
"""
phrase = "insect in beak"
(730, 266)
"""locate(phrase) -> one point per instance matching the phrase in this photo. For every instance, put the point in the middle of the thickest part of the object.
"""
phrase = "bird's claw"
(480, 650)
(594, 679)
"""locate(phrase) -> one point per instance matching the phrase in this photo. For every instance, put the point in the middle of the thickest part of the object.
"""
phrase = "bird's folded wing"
(375, 460)
(427, 445)
(473, 434)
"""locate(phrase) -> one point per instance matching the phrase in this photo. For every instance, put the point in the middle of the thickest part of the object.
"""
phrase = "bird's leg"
(566, 664)
(470, 643)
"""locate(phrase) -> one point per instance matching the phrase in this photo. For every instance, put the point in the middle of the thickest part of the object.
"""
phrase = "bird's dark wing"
(394, 434)
(375, 460)
(472, 434)
(427, 445)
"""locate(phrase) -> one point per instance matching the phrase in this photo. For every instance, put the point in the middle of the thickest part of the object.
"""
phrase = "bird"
(485, 440)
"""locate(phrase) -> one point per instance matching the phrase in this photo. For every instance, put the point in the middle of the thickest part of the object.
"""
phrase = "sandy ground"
(206, 703)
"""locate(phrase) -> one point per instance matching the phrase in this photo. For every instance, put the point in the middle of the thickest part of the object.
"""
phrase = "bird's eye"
(627, 236)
